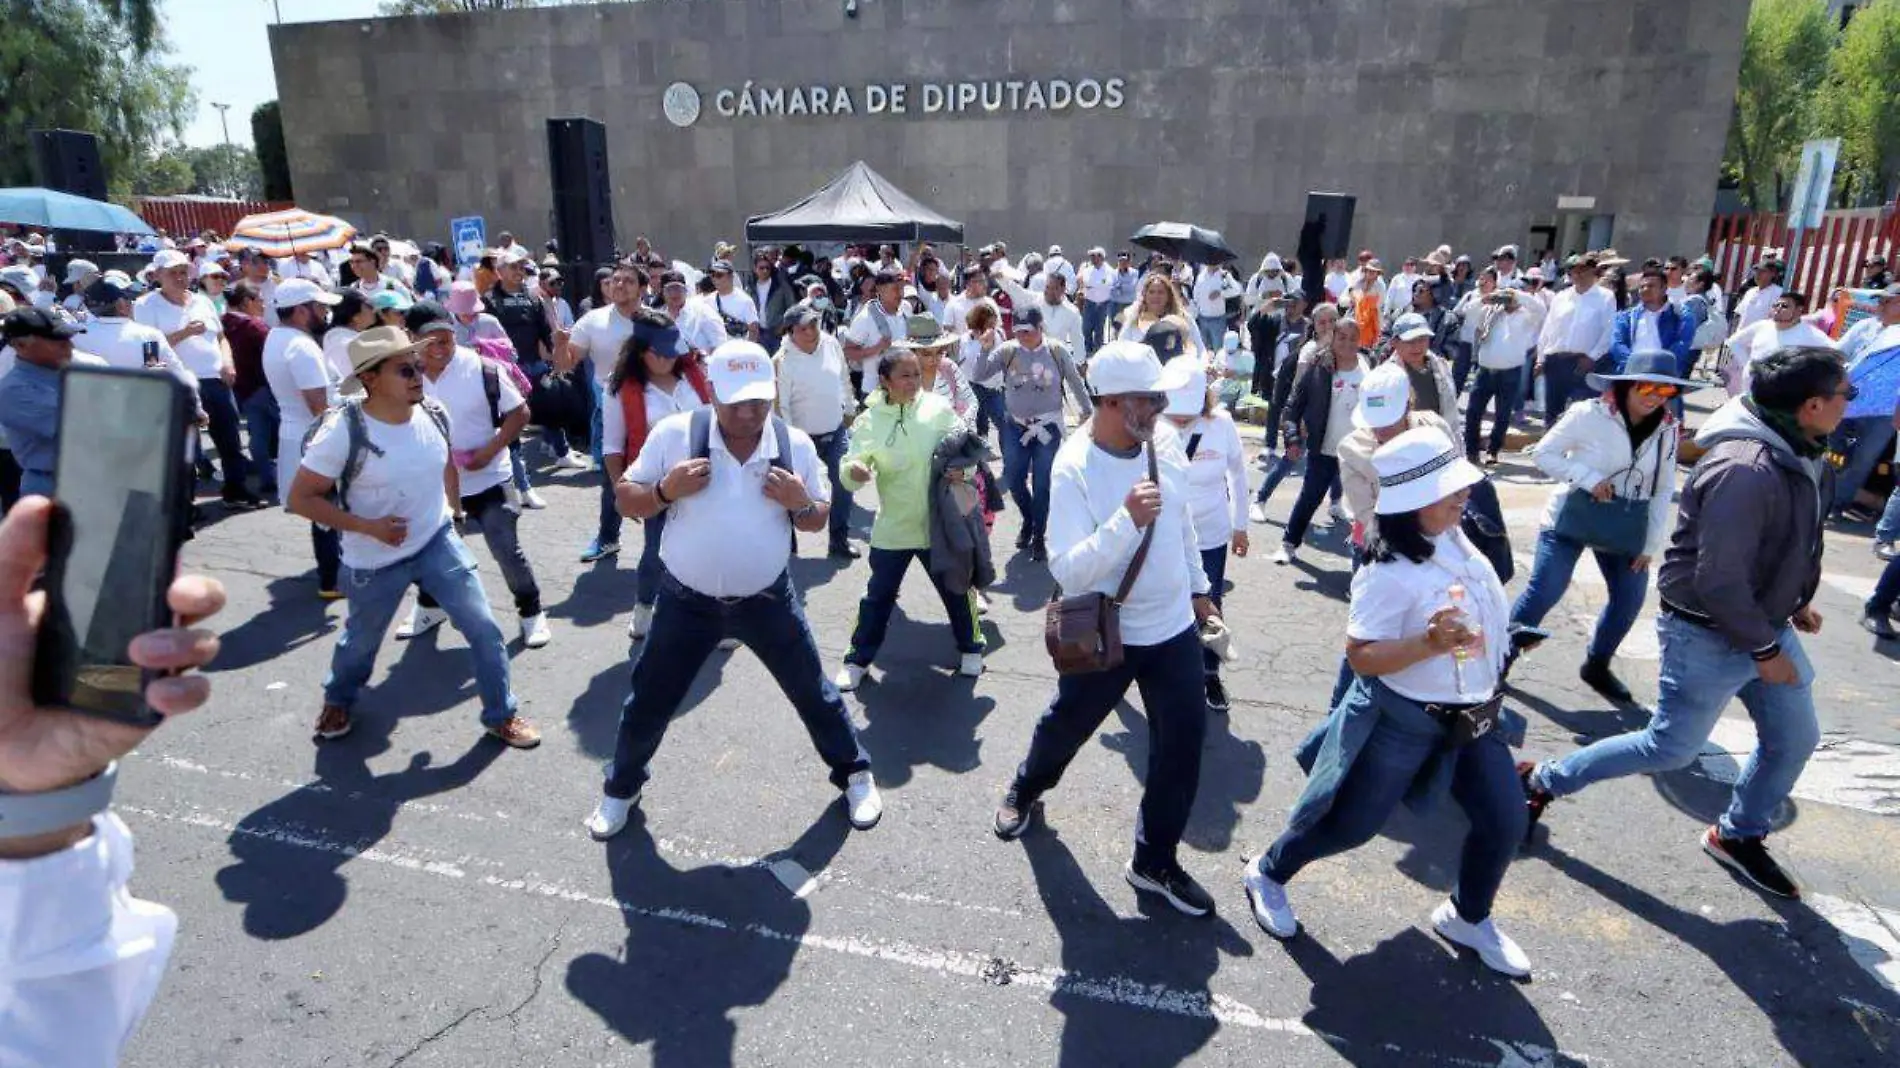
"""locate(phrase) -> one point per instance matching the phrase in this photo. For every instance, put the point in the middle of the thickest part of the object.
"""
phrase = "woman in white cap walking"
(1614, 459)
(1217, 495)
(1424, 635)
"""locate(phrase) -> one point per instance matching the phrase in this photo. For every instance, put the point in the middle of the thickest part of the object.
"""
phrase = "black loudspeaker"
(68, 161)
(583, 190)
(1325, 235)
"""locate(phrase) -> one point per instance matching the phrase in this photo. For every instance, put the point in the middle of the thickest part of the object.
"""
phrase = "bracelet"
(28, 815)
(659, 491)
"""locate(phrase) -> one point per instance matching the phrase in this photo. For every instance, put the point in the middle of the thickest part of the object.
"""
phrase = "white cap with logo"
(741, 371)
(1384, 396)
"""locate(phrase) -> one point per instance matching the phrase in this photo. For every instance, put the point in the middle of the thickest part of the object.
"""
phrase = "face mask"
(821, 303)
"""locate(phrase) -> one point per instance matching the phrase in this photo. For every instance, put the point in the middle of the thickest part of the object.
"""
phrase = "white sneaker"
(421, 620)
(1257, 513)
(982, 603)
(641, 622)
(1271, 910)
(1284, 555)
(574, 461)
(535, 632)
(972, 665)
(531, 499)
(848, 677)
(861, 801)
(1493, 946)
(1337, 512)
(610, 817)
(728, 644)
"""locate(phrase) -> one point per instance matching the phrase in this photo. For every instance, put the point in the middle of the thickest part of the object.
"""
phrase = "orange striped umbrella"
(281, 234)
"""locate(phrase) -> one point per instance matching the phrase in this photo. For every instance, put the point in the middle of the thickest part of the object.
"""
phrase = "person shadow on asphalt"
(701, 942)
(1104, 954)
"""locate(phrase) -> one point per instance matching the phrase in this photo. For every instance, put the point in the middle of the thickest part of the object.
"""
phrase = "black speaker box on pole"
(1326, 235)
(583, 190)
(68, 161)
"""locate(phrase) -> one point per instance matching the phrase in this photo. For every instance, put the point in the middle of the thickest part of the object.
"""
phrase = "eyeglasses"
(1848, 392)
(405, 368)
(1654, 389)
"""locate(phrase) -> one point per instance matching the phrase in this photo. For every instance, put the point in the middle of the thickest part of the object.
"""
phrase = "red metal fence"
(1830, 254)
(181, 217)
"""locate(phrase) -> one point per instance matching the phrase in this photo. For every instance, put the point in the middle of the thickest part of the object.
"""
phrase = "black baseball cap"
(427, 316)
(1028, 319)
(37, 322)
(104, 290)
(661, 338)
(887, 278)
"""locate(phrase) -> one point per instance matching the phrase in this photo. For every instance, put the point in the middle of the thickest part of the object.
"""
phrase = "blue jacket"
(1673, 328)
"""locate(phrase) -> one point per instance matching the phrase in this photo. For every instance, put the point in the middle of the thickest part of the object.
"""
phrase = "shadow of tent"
(293, 618)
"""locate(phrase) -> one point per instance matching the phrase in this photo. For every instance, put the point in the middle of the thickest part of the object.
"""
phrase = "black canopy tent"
(858, 206)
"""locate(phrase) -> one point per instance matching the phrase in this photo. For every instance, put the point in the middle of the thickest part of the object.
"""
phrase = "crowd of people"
(399, 401)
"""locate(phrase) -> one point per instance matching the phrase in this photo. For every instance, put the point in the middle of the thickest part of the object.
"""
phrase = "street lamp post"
(224, 120)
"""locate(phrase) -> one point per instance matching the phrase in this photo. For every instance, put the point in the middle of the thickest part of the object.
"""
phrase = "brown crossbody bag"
(1084, 632)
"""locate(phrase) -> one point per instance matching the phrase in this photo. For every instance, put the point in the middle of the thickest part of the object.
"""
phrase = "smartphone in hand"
(121, 510)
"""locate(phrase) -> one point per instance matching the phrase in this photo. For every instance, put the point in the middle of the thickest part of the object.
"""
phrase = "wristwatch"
(27, 815)
(808, 509)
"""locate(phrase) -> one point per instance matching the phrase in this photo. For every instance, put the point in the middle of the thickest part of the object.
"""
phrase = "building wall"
(1451, 120)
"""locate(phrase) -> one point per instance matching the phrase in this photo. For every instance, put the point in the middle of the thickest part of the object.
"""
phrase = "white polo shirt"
(470, 424)
(737, 304)
(729, 539)
(701, 328)
(121, 343)
(200, 354)
(292, 364)
(1098, 281)
(600, 334)
(1395, 599)
(660, 404)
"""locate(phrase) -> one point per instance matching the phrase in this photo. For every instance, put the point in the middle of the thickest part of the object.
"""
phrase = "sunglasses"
(405, 368)
(1850, 393)
(1654, 389)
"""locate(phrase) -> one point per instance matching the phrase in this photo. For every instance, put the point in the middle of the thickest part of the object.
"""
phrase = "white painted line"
(1114, 990)
(1872, 935)
(794, 876)
(1847, 772)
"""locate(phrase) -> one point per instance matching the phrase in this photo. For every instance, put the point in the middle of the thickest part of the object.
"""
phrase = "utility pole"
(224, 120)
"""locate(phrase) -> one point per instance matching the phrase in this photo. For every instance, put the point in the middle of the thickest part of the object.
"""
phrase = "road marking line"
(990, 970)
(1848, 772)
(1868, 933)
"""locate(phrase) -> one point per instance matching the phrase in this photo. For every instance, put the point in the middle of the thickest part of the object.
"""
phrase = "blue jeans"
(518, 467)
(1550, 576)
(646, 573)
(1493, 385)
(990, 410)
(1094, 319)
(1484, 782)
(1865, 440)
(1213, 330)
(1174, 696)
(880, 599)
(261, 420)
(831, 450)
(1020, 461)
(500, 529)
(1322, 477)
(1700, 672)
(221, 407)
(687, 625)
(1888, 529)
(446, 571)
(1887, 590)
(608, 531)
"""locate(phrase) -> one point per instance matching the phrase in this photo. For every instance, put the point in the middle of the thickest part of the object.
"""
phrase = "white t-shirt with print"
(470, 424)
(404, 480)
(1395, 599)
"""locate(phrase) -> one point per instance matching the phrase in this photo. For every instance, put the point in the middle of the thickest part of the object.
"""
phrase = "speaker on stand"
(583, 191)
(68, 161)
(1325, 235)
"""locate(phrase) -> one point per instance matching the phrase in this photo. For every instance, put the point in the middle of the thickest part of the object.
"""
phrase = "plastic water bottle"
(1456, 593)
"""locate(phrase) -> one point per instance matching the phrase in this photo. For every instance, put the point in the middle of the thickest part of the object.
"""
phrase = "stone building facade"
(1474, 122)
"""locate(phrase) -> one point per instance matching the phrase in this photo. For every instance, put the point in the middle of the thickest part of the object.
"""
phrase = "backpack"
(699, 439)
(356, 424)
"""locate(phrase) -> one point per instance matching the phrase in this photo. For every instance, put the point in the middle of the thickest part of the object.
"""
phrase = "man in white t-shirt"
(878, 324)
(1106, 505)
(1210, 306)
(814, 395)
(1756, 305)
(1784, 328)
(701, 329)
(192, 327)
(304, 385)
(388, 465)
(734, 308)
(486, 415)
(599, 335)
(1096, 287)
(1058, 265)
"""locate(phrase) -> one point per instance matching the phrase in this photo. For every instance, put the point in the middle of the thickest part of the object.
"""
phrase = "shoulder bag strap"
(1147, 537)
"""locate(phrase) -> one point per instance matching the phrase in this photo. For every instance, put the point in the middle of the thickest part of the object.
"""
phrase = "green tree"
(161, 173)
(1861, 103)
(70, 64)
(138, 17)
(267, 133)
(1784, 63)
(225, 171)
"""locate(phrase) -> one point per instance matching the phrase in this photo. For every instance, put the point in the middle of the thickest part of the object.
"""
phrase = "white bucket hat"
(1419, 468)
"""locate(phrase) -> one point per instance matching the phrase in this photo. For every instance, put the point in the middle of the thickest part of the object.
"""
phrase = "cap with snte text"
(741, 371)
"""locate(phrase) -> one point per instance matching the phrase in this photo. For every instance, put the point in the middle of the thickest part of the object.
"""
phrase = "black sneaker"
(1748, 857)
(1174, 884)
(1535, 800)
(1597, 675)
(843, 550)
(1015, 814)
(1216, 695)
(1038, 550)
(1878, 625)
(1022, 538)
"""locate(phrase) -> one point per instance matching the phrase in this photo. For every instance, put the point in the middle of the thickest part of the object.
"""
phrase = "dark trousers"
(1460, 363)
(9, 480)
(1322, 477)
(989, 409)
(1214, 564)
(1094, 319)
(221, 407)
(489, 510)
(1865, 441)
(880, 599)
(687, 625)
(831, 449)
(1563, 381)
(646, 574)
(1886, 591)
(1497, 387)
(328, 546)
(261, 420)
(1173, 696)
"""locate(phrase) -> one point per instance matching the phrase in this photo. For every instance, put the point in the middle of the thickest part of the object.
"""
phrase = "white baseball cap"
(1121, 367)
(1384, 395)
(296, 292)
(1420, 468)
(1411, 327)
(1189, 398)
(741, 371)
(169, 258)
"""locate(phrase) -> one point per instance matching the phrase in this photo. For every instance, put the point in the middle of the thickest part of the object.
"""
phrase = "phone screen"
(115, 535)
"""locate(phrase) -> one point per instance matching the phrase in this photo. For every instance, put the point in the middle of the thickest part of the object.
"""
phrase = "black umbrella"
(1184, 242)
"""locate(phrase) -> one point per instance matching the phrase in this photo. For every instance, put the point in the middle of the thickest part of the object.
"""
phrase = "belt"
(1699, 619)
(1446, 709)
(682, 589)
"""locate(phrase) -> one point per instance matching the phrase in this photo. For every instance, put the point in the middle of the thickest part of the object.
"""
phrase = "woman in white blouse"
(1425, 637)
(1618, 449)
(1217, 495)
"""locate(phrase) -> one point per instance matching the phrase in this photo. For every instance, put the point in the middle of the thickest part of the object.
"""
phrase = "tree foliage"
(1860, 103)
(73, 64)
(273, 160)
(1784, 63)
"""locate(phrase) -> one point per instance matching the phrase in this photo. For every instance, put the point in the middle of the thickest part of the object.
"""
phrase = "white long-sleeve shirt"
(1510, 336)
(80, 957)
(814, 388)
(1092, 538)
(1579, 322)
(1590, 444)
(1210, 292)
(1217, 479)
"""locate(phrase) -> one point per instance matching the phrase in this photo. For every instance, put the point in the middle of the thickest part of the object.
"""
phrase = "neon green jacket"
(896, 444)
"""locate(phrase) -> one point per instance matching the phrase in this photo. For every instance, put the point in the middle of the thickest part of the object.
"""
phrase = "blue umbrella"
(53, 210)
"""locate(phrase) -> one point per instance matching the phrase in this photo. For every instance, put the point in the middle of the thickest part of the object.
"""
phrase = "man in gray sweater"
(1737, 584)
(1035, 371)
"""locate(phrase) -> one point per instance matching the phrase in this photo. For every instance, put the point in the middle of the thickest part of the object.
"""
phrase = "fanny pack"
(1470, 723)
(1084, 633)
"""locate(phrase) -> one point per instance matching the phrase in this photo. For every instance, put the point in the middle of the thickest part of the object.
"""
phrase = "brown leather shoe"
(333, 722)
(517, 733)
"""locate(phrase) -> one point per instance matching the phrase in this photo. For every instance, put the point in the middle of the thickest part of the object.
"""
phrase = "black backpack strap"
(491, 388)
(1194, 442)
(699, 434)
(782, 434)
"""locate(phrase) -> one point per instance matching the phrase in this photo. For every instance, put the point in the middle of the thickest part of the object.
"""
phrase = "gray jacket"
(959, 539)
(1746, 554)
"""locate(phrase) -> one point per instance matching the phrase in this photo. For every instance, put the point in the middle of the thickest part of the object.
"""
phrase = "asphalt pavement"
(416, 895)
